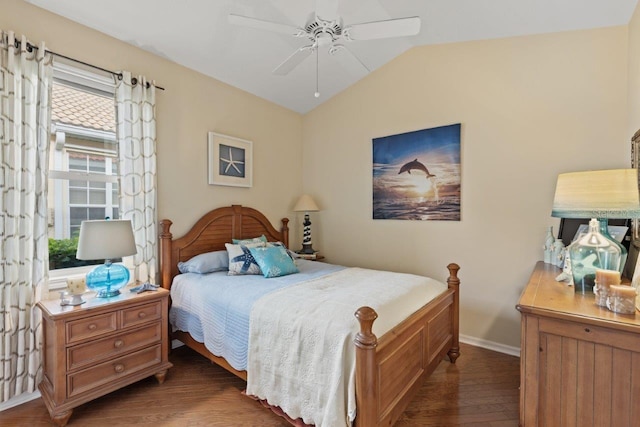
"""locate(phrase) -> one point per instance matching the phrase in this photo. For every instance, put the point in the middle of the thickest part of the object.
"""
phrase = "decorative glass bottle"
(548, 246)
(604, 230)
(591, 251)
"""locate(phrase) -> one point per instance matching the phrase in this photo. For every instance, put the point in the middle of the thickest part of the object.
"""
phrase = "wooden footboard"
(390, 371)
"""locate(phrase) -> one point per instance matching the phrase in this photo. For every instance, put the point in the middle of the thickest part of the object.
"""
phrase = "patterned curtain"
(25, 106)
(136, 133)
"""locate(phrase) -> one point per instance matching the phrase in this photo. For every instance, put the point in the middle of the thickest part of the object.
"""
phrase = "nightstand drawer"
(141, 314)
(91, 327)
(107, 372)
(96, 351)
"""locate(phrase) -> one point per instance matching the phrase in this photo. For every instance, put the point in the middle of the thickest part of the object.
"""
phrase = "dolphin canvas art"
(416, 175)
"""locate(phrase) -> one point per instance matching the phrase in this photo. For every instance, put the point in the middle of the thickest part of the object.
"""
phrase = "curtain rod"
(118, 75)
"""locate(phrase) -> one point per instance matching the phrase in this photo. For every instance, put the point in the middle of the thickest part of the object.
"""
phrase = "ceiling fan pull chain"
(317, 94)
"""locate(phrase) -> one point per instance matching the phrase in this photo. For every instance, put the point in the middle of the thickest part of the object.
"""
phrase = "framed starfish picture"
(230, 161)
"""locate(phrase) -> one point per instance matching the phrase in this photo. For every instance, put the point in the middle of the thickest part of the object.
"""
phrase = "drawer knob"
(118, 368)
(92, 327)
(118, 343)
(142, 315)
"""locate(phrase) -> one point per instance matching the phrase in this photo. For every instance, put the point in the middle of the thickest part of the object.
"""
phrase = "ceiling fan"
(325, 28)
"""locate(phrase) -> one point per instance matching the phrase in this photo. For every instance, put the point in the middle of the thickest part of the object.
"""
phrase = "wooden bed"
(389, 369)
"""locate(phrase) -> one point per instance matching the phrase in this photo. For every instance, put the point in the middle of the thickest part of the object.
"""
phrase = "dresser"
(100, 346)
(579, 363)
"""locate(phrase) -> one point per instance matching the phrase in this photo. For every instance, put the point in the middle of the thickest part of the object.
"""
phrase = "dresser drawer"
(141, 314)
(96, 351)
(91, 327)
(107, 372)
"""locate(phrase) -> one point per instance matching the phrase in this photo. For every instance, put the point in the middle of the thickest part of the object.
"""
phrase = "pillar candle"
(607, 278)
(622, 291)
(604, 279)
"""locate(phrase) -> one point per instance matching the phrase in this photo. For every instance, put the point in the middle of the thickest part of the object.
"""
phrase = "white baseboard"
(19, 400)
(490, 345)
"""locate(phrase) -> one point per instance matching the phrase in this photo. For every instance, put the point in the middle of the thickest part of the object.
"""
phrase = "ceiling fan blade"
(349, 60)
(327, 10)
(293, 60)
(263, 25)
(383, 29)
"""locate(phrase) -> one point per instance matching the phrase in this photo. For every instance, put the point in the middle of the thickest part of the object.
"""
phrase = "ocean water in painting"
(416, 175)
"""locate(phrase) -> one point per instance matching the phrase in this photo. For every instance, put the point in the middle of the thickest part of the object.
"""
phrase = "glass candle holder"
(622, 299)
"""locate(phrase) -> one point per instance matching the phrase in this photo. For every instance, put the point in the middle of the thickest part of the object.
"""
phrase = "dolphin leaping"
(414, 165)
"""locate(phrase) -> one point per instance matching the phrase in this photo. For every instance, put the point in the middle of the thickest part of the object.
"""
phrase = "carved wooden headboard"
(210, 233)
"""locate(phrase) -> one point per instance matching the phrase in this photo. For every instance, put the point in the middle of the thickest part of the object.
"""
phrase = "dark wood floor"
(481, 389)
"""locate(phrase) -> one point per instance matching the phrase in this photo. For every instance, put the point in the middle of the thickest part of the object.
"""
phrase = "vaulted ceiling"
(198, 35)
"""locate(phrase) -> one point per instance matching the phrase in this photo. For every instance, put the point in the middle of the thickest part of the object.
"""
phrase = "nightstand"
(100, 346)
(311, 257)
(578, 363)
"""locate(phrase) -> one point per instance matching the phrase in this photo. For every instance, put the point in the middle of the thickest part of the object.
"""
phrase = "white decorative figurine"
(566, 275)
(548, 246)
(557, 253)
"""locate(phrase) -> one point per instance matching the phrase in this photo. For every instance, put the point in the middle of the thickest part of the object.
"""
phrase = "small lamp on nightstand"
(306, 204)
(106, 239)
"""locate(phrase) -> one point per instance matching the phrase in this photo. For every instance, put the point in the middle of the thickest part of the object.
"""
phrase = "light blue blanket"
(215, 308)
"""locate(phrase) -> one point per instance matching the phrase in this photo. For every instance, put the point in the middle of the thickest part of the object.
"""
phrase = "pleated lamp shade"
(597, 194)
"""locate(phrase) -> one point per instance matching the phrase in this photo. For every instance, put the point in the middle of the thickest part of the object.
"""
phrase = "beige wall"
(634, 74)
(192, 105)
(530, 108)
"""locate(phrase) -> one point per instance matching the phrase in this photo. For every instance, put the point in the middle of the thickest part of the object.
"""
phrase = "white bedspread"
(301, 352)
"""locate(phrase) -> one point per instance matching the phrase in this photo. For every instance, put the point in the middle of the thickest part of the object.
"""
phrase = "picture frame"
(417, 175)
(635, 163)
(230, 160)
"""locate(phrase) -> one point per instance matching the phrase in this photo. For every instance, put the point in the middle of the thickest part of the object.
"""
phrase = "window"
(83, 162)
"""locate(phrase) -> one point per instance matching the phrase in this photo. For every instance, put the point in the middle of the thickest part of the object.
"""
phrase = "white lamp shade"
(305, 204)
(105, 239)
(597, 194)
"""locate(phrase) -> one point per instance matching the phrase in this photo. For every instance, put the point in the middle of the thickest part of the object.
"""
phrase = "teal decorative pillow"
(241, 260)
(274, 261)
(261, 239)
(290, 253)
(205, 263)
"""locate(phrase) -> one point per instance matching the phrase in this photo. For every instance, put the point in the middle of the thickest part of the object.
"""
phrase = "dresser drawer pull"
(92, 327)
(142, 315)
(118, 368)
(118, 343)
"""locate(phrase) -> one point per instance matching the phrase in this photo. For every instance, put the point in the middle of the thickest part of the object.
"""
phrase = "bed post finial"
(454, 284)
(285, 231)
(165, 253)
(366, 374)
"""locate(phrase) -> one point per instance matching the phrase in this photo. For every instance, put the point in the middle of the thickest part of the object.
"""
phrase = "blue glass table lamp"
(598, 196)
(106, 239)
